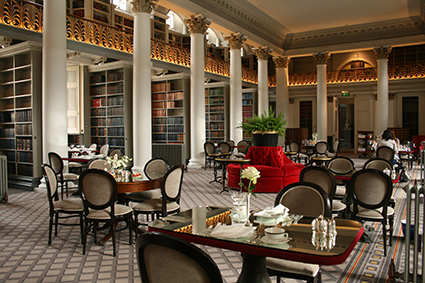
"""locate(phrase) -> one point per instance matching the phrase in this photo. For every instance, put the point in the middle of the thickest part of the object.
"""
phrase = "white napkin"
(232, 231)
(277, 209)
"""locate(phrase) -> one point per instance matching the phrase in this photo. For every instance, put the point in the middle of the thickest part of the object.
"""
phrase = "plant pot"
(266, 139)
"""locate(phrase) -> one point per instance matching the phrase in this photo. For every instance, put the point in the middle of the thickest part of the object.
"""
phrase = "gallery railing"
(29, 16)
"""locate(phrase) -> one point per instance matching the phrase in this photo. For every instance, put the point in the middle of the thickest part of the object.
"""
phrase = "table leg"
(223, 179)
(215, 173)
(253, 270)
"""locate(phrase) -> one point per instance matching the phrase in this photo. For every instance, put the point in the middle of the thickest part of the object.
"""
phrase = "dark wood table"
(320, 161)
(254, 255)
(224, 162)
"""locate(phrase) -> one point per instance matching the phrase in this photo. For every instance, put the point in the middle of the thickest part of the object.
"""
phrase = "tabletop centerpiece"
(252, 174)
(118, 165)
(265, 129)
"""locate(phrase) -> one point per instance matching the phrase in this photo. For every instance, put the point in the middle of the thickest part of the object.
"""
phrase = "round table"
(225, 162)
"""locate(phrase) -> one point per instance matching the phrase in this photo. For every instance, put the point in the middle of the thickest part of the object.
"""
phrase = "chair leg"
(82, 228)
(50, 229)
(56, 224)
(113, 238)
(384, 232)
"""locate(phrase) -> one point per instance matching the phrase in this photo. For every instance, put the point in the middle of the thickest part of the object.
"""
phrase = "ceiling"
(302, 27)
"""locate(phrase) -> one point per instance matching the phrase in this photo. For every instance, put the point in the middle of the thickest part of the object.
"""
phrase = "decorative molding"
(236, 40)
(281, 61)
(143, 6)
(321, 58)
(247, 19)
(197, 24)
(382, 52)
(263, 52)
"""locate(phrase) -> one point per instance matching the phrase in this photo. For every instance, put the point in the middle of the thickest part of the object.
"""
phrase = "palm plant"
(265, 123)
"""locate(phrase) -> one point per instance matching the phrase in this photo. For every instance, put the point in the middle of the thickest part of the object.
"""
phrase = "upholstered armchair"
(277, 170)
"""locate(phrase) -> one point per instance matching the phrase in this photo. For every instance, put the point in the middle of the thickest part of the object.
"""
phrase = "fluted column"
(142, 113)
(282, 89)
(263, 54)
(381, 113)
(54, 99)
(321, 60)
(198, 26)
(235, 41)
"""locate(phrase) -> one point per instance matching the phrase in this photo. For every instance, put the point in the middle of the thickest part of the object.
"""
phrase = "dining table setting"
(270, 232)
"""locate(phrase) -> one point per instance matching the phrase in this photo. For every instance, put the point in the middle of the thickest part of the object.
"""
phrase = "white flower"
(252, 174)
(118, 163)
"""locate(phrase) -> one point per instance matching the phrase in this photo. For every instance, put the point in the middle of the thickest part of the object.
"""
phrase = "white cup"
(276, 234)
(199, 219)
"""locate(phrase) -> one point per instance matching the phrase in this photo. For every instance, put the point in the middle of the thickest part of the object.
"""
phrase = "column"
(381, 113)
(235, 41)
(282, 89)
(263, 54)
(142, 112)
(54, 98)
(321, 60)
(198, 26)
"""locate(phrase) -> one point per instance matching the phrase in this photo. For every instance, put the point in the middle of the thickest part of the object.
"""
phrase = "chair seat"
(372, 213)
(337, 205)
(104, 214)
(75, 165)
(70, 204)
(142, 196)
(70, 176)
(155, 205)
(340, 192)
(290, 266)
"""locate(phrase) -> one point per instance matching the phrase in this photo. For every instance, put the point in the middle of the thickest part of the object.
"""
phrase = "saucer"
(266, 240)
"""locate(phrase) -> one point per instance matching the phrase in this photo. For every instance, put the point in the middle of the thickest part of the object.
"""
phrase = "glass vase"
(248, 207)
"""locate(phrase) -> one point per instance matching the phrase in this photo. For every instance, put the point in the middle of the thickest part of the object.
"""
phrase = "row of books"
(167, 96)
(215, 134)
(98, 111)
(97, 90)
(110, 89)
(169, 129)
(214, 126)
(214, 91)
(7, 144)
(157, 87)
(24, 144)
(159, 112)
(168, 137)
(10, 155)
(116, 131)
(7, 133)
(98, 132)
(217, 108)
(99, 141)
(7, 117)
(247, 109)
(98, 102)
(23, 129)
(99, 122)
(98, 78)
(169, 120)
(116, 111)
(247, 102)
(25, 170)
(215, 117)
(24, 116)
(116, 142)
(247, 114)
(116, 101)
(11, 168)
(247, 95)
(215, 100)
(24, 156)
(165, 104)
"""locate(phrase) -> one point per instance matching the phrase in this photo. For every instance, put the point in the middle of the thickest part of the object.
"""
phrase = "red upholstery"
(275, 168)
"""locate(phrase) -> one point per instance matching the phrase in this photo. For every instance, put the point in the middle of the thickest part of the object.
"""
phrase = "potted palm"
(265, 128)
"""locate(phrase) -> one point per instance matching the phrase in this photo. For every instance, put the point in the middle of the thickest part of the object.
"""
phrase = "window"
(121, 4)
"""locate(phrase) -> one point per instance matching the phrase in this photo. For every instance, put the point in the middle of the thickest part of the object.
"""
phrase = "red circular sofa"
(275, 168)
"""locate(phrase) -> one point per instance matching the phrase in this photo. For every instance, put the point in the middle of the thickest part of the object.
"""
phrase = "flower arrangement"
(118, 162)
(252, 174)
(314, 136)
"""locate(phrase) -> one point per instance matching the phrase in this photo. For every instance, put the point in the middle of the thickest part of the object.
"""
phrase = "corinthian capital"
(262, 52)
(144, 6)
(281, 62)
(382, 52)
(197, 24)
(321, 58)
(235, 40)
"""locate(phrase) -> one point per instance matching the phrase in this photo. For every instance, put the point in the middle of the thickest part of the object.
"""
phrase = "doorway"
(346, 124)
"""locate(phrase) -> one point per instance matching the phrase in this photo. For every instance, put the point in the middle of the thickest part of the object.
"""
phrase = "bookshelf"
(123, 21)
(20, 112)
(364, 141)
(96, 10)
(178, 39)
(248, 106)
(170, 94)
(111, 105)
(216, 112)
(159, 28)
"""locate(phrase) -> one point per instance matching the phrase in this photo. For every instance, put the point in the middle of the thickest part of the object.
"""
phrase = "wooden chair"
(56, 162)
(99, 193)
(165, 258)
(371, 191)
(114, 152)
(209, 148)
(61, 209)
(242, 149)
(385, 152)
(104, 150)
(224, 147)
(295, 147)
(321, 149)
(169, 202)
(294, 197)
(155, 168)
(378, 164)
(335, 149)
(341, 165)
(99, 164)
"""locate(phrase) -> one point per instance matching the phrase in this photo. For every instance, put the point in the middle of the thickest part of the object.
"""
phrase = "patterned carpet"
(26, 257)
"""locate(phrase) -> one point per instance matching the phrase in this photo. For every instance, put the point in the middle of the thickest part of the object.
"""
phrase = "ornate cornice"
(263, 52)
(321, 58)
(382, 52)
(247, 19)
(281, 62)
(143, 6)
(235, 40)
(197, 24)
